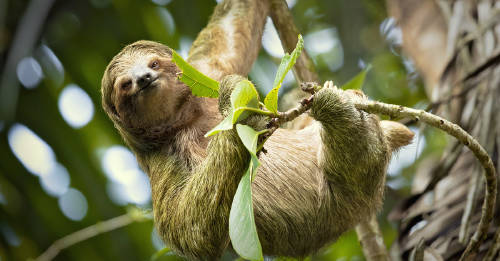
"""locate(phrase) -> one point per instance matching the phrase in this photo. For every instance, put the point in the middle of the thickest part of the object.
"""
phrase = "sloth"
(313, 184)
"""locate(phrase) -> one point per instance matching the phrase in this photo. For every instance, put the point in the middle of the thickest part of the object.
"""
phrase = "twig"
(133, 215)
(371, 240)
(465, 138)
(287, 116)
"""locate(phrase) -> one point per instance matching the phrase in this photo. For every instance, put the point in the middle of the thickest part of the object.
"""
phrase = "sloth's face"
(146, 91)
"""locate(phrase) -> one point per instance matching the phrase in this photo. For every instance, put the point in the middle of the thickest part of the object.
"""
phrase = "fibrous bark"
(456, 47)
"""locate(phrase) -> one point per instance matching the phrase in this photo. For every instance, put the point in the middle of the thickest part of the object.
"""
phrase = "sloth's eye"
(126, 85)
(155, 65)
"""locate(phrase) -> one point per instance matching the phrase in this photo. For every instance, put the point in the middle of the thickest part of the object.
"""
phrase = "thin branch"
(133, 215)
(283, 21)
(465, 138)
(371, 240)
(287, 116)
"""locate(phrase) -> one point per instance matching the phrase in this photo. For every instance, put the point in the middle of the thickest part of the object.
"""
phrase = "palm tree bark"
(456, 47)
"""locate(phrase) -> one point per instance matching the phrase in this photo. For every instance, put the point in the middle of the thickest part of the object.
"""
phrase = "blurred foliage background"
(64, 167)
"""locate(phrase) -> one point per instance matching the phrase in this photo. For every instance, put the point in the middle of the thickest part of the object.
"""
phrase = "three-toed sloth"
(313, 183)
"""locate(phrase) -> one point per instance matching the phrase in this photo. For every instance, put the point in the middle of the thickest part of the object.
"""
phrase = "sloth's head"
(141, 92)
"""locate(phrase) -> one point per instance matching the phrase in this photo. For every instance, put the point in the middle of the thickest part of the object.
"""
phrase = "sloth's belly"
(292, 199)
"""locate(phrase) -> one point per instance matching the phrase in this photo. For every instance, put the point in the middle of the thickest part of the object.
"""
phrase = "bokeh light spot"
(3, 200)
(271, 40)
(75, 106)
(291, 3)
(117, 193)
(139, 191)
(184, 46)
(10, 235)
(117, 163)
(128, 183)
(167, 19)
(161, 2)
(325, 45)
(56, 181)
(52, 66)
(29, 72)
(156, 240)
(73, 204)
(34, 153)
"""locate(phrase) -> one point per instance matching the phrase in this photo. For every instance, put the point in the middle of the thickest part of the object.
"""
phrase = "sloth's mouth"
(151, 84)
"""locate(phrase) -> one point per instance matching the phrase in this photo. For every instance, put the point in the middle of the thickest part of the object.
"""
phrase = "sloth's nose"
(144, 80)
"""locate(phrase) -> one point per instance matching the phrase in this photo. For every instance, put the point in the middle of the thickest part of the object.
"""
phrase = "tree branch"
(371, 240)
(133, 215)
(397, 111)
(283, 21)
(488, 207)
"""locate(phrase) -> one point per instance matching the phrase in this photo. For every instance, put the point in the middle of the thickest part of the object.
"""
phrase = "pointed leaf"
(200, 84)
(250, 137)
(287, 62)
(243, 95)
(242, 229)
(225, 124)
(356, 83)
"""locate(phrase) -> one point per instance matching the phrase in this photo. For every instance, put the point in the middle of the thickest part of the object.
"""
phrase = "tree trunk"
(456, 47)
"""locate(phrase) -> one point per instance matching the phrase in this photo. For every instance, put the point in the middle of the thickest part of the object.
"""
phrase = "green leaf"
(271, 100)
(248, 136)
(243, 95)
(225, 124)
(242, 229)
(356, 83)
(200, 84)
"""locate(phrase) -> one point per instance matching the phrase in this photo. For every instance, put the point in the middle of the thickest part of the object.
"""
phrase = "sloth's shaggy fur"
(313, 183)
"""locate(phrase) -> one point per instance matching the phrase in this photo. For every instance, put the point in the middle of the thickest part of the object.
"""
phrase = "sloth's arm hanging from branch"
(397, 111)
(368, 232)
(229, 44)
